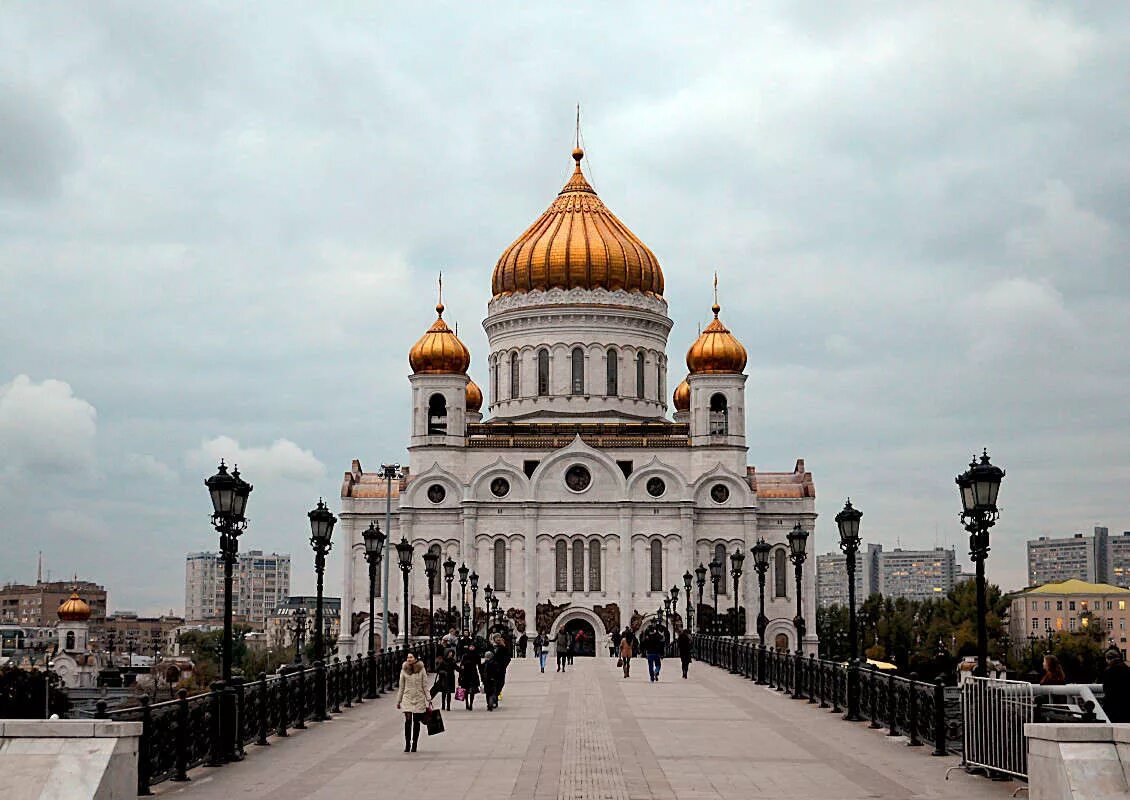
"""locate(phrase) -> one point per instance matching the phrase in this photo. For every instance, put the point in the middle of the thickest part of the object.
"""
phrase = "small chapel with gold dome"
(578, 496)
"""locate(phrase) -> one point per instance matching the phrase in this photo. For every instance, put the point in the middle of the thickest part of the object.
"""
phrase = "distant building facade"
(1095, 558)
(1071, 606)
(124, 632)
(917, 574)
(282, 624)
(832, 579)
(260, 584)
(36, 605)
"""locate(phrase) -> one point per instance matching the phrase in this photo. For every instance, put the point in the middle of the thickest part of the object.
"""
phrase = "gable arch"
(608, 482)
(676, 484)
(416, 494)
(479, 483)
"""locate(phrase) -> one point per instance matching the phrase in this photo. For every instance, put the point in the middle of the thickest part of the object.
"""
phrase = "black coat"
(445, 676)
(684, 645)
(1116, 692)
(469, 671)
(653, 643)
(492, 676)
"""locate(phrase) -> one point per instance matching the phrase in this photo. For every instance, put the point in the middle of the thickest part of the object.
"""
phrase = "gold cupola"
(74, 609)
(577, 244)
(439, 351)
(682, 396)
(716, 351)
(474, 396)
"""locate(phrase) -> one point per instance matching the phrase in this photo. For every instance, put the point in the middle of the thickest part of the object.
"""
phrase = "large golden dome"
(682, 396)
(577, 243)
(716, 350)
(74, 609)
(439, 351)
(474, 396)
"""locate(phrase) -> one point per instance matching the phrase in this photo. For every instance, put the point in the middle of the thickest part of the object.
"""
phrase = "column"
(345, 638)
(687, 533)
(530, 548)
(749, 597)
(627, 568)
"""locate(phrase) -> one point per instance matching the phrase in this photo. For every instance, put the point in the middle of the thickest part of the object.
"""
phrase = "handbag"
(460, 693)
(433, 720)
(619, 662)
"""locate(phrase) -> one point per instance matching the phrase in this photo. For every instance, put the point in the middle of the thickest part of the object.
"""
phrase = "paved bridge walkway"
(591, 735)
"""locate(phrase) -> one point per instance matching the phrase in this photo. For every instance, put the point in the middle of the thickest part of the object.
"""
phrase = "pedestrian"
(613, 642)
(465, 641)
(1116, 687)
(1053, 672)
(683, 644)
(445, 678)
(652, 643)
(502, 655)
(468, 668)
(625, 654)
(564, 642)
(630, 635)
(450, 639)
(491, 672)
(412, 699)
(523, 641)
(541, 648)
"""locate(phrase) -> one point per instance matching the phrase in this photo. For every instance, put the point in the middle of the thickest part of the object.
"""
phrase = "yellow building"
(1071, 606)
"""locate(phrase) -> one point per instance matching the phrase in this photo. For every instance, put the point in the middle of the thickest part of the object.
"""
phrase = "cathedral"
(576, 497)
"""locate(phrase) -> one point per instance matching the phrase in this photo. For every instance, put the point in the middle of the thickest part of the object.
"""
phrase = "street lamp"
(431, 569)
(737, 558)
(390, 472)
(404, 556)
(229, 494)
(496, 617)
(687, 582)
(797, 537)
(979, 486)
(674, 592)
(463, 594)
(374, 551)
(488, 595)
(474, 601)
(848, 523)
(322, 523)
(715, 578)
(448, 577)
(700, 579)
(299, 631)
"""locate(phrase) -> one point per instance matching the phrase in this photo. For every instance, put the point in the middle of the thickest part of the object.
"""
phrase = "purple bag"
(460, 694)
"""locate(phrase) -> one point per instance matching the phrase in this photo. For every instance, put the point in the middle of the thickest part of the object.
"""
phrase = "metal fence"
(178, 735)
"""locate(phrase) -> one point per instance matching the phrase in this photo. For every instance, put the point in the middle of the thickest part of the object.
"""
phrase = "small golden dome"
(682, 396)
(716, 350)
(74, 609)
(474, 396)
(577, 244)
(439, 351)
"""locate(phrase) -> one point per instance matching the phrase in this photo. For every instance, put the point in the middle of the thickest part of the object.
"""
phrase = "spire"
(716, 308)
(39, 571)
(439, 301)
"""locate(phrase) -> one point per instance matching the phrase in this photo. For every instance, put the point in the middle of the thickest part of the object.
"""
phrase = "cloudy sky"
(220, 228)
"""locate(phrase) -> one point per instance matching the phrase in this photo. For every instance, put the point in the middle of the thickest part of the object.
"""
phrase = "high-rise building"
(260, 583)
(917, 574)
(1095, 559)
(832, 581)
(1118, 560)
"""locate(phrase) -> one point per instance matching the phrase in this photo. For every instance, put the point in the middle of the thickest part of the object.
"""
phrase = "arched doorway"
(781, 642)
(583, 636)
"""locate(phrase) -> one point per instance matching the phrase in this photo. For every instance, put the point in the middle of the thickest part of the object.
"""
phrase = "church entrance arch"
(586, 622)
(583, 636)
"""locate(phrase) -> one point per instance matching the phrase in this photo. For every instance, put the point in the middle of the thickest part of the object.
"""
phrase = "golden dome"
(74, 609)
(716, 350)
(439, 351)
(577, 243)
(682, 396)
(474, 396)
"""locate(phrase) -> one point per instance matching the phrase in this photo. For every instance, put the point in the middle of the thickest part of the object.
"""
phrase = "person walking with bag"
(563, 643)
(444, 685)
(412, 698)
(541, 648)
(625, 654)
(492, 677)
(683, 645)
(469, 676)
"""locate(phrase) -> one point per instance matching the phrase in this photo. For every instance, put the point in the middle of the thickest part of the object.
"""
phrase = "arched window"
(435, 548)
(659, 390)
(594, 566)
(500, 565)
(578, 566)
(577, 385)
(70, 640)
(780, 573)
(656, 566)
(720, 557)
(639, 375)
(437, 415)
(514, 375)
(613, 387)
(495, 386)
(561, 566)
(543, 373)
(719, 423)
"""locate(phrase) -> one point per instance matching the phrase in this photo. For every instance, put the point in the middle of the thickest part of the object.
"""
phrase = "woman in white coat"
(413, 699)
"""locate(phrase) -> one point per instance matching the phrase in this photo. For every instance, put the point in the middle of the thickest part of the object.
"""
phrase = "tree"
(22, 693)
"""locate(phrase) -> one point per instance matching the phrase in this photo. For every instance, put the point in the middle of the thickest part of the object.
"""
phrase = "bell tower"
(716, 362)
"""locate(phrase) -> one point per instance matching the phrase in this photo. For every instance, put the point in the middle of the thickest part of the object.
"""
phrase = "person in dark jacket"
(502, 655)
(523, 641)
(541, 649)
(562, 644)
(492, 679)
(468, 668)
(1116, 687)
(445, 679)
(652, 643)
(630, 635)
(683, 645)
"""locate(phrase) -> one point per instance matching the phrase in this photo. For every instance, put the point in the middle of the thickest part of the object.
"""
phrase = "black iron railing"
(904, 706)
(178, 735)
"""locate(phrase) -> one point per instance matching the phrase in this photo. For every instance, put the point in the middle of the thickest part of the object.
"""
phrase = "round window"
(656, 487)
(578, 478)
(719, 493)
(500, 487)
(436, 493)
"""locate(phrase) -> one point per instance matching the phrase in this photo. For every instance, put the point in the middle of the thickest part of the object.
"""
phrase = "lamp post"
(374, 551)
(716, 567)
(848, 523)
(674, 592)
(688, 580)
(448, 577)
(474, 601)
(299, 631)
(431, 570)
(496, 616)
(322, 523)
(463, 594)
(404, 556)
(737, 558)
(979, 486)
(668, 623)
(797, 537)
(700, 579)
(488, 595)
(229, 495)
(389, 472)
